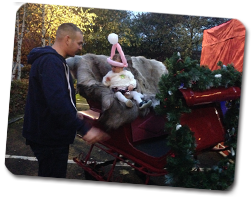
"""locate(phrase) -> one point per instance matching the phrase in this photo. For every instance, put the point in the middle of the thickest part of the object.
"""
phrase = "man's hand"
(79, 115)
(95, 135)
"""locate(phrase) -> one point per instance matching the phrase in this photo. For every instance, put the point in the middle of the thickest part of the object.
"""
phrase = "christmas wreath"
(181, 164)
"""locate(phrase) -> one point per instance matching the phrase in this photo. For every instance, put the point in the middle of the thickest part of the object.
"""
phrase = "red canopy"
(224, 43)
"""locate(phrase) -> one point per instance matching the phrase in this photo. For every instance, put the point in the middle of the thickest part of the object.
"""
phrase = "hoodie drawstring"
(69, 87)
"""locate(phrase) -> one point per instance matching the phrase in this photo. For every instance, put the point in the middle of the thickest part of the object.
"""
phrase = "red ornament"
(172, 154)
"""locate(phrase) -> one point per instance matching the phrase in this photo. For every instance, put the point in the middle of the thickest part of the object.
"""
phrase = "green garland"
(189, 74)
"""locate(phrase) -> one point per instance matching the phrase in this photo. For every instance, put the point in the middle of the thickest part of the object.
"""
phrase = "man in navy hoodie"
(51, 121)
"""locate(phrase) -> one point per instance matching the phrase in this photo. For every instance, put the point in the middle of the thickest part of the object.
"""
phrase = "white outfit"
(122, 80)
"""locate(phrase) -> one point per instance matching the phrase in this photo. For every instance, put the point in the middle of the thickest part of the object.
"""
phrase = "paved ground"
(20, 159)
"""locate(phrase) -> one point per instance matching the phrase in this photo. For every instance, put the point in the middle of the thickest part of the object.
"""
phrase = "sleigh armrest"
(211, 95)
(90, 114)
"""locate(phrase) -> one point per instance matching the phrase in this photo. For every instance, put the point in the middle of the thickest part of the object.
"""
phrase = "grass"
(81, 103)
(80, 98)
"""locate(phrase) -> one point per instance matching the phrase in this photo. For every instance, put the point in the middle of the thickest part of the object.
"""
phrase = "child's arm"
(132, 81)
(106, 80)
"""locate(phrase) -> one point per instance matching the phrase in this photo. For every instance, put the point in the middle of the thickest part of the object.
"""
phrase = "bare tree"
(17, 65)
(14, 65)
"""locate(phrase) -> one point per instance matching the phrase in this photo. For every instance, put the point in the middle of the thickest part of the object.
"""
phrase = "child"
(122, 82)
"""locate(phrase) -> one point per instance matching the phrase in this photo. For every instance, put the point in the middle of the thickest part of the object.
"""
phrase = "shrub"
(25, 71)
(19, 89)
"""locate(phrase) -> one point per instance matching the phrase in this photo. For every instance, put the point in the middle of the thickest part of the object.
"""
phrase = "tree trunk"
(49, 41)
(14, 65)
(19, 40)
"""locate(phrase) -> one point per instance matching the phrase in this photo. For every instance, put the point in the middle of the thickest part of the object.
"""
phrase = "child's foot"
(129, 103)
(145, 104)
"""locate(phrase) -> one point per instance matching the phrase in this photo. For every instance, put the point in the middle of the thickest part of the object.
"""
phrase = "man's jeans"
(52, 160)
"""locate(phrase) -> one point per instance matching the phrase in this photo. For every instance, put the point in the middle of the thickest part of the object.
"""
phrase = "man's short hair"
(67, 29)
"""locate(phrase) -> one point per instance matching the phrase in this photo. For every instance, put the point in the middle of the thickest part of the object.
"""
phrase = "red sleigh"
(142, 143)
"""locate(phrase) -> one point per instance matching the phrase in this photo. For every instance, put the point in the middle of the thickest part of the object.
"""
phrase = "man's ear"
(67, 39)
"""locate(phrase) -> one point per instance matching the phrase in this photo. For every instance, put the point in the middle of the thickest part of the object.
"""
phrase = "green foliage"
(18, 97)
(190, 74)
(106, 22)
(230, 123)
(181, 161)
(153, 35)
(157, 32)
